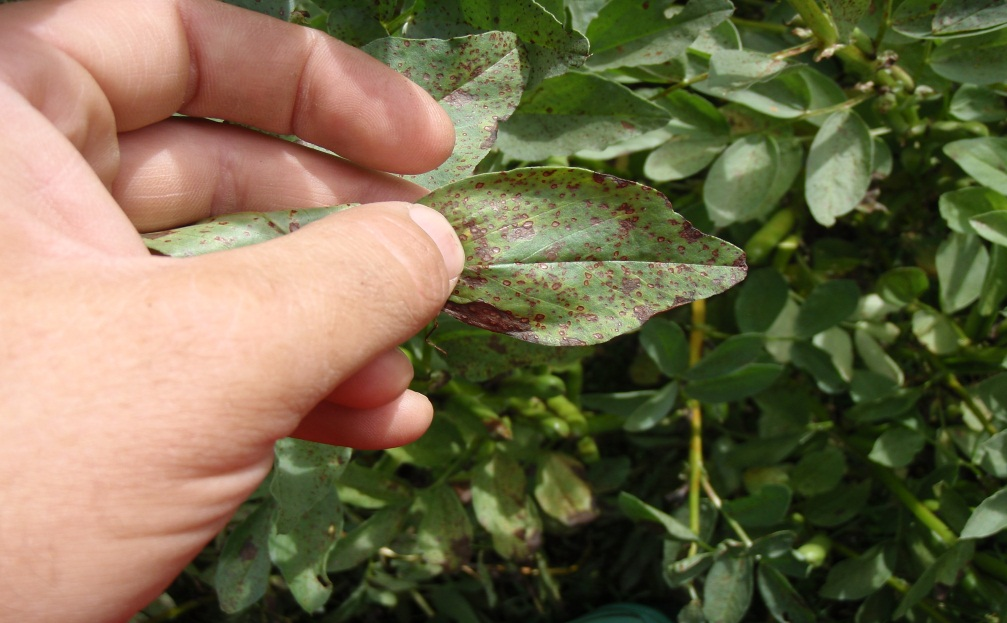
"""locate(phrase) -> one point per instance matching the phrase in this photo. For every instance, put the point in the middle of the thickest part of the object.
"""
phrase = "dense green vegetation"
(823, 442)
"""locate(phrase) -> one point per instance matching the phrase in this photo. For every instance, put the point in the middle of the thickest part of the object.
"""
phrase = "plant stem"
(696, 338)
(818, 22)
(978, 409)
(747, 540)
(923, 514)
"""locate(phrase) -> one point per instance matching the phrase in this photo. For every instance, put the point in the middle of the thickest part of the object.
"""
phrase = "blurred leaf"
(504, 509)
(989, 518)
(782, 600)
(914, 18)
(360, 544)
(856, 578)
(562, 492)
(733, 353)
(747, 380)
(949, 564)
(478, 81)
(679, 572)
(983, 158)
(727, 592)
(975, 103)
(429, 450)
(655, 409)
(635, 508)
(961, 265)
(975, 60)
(766, 507)
(962, 16)
(760, 300)
(885, 408)
(576, 111)
(551, 48)
(819, 471)
(827, 305)
(280, 9)
(874, 355)
(444, 535)
(897, 446)
(696, 133)
(994, 455)
(628, 34)
(364, 487)
(958, 207)
(837, 506)
(839, 167)
(558, 273)
(354, 23)
(736, 69)
(243, 568)
(902, 285)
(790, 94)
(991, 226)
(666, 345)
(936, 332)
(749, 178)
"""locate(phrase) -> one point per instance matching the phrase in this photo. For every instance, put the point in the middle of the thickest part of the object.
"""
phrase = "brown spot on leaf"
(485, 316)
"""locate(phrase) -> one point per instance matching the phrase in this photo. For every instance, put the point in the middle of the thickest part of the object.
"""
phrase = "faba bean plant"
(795, 416)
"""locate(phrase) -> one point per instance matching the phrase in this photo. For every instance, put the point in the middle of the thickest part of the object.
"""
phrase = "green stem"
(778, 29)
(710, 493)
(819, 23)
(978, 409)
(696, 338)
(923, 514)
(991, 565)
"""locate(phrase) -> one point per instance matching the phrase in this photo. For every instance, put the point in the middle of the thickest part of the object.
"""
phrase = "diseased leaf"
(242, 574)
(304, 472)
(846, 14)
(478, 81)
(737, 69)
(444, 534)
(630, 34)
(302, 550)
(571, 257)
(551, 48)
(280, 9)
(573, 112)
(839, 167)
(561, 490)
(963, 16)
(727, 592)
(230, 231)
(981, 59)
(504, 509)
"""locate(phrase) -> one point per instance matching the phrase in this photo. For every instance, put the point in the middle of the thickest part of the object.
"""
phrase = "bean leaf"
(564, 256)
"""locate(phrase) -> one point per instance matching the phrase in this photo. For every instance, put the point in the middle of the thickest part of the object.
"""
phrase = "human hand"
(141, 396)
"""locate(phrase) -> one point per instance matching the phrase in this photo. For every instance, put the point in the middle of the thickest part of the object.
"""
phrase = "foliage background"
(822, 443)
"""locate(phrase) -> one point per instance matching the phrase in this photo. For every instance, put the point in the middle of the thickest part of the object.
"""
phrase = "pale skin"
(141, 396)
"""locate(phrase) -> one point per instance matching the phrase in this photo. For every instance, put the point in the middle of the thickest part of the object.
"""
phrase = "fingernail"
(443, 235)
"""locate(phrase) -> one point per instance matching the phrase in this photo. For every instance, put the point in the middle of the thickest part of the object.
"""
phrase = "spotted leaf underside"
(563, 256)
(554, 255)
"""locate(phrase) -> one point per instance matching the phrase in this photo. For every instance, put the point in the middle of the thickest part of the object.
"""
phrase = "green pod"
(533, 386)
(816, 550)
(760, 246)
(554, 427)
(533, 408)
(564, 408)
(468, 405)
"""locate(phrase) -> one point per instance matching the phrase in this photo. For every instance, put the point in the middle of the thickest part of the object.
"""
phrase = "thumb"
(306, 311)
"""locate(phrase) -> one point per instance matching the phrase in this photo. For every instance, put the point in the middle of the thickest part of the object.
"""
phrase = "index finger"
(208, 59)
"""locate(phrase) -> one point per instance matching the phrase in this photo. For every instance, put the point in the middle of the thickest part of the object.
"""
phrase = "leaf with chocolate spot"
(563, 256)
